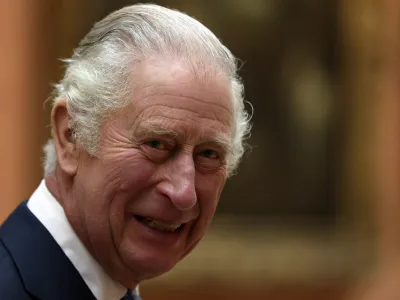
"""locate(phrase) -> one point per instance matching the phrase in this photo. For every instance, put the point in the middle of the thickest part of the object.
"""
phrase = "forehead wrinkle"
(187, 97)
(188, 120)
(159, 114)
(196, 112)
(219, 105)
(158, 84)
(184, 80)
(153, 129)
(154, 121)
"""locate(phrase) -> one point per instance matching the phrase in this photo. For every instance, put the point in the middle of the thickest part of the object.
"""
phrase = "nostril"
(139, 218)
(181, 194)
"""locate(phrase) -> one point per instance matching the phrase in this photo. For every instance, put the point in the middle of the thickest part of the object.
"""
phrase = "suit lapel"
(46, 271)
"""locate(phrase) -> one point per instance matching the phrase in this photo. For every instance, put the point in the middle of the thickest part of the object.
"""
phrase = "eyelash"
(151, 144)
(213, 152)
(209, 154)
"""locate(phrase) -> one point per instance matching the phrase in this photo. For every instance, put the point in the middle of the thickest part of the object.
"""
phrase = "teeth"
(156, 224)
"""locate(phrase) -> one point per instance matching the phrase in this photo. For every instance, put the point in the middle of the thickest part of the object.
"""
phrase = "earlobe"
(67, 151)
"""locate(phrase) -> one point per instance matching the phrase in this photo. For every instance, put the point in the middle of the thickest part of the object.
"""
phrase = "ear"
(66, 149)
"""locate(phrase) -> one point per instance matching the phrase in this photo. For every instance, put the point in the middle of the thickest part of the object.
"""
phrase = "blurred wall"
(299, 220)
(33, 36)
(25, 74)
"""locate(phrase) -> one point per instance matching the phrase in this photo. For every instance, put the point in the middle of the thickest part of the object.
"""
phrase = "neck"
(61, 186)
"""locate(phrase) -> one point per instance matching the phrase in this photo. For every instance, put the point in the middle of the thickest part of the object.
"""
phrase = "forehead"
(168, 94)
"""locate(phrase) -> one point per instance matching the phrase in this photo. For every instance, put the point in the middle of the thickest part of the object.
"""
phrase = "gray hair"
(98, 77)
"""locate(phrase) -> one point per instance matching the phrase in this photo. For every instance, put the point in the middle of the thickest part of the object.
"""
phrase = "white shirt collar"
(51, 214)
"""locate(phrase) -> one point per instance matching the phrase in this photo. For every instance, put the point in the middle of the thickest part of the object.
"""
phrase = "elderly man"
(147, 124)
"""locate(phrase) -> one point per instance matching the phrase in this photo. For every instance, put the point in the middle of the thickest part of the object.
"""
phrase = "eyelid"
(168, 143)
(219, 149)
(214, 152)
(219, 152)
(209, 164)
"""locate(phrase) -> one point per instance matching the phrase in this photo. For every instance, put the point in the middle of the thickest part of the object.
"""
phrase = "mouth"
(166, 227)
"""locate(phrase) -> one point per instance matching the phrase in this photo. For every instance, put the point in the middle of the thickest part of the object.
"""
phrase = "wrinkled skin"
(162, 157)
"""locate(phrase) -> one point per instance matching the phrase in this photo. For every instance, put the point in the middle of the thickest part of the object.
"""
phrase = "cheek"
(127, 176)
(128, 173)
(104, 191)
(209, 190)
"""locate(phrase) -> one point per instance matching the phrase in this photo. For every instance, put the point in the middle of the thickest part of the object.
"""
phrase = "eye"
(208, 160)
(209, 153)
(155, 144)
(157, 150)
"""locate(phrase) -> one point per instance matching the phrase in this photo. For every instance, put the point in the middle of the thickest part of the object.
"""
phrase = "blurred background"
(314, 211)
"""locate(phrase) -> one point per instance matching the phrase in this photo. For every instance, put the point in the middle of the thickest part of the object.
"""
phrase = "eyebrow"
(148, 130)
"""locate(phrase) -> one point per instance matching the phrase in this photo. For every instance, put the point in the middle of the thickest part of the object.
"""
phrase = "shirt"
(51, 214)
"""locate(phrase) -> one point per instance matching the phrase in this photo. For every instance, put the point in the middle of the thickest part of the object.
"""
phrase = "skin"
(162, 157)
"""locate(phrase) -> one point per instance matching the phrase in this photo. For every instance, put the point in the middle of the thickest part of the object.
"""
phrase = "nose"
(178, 182)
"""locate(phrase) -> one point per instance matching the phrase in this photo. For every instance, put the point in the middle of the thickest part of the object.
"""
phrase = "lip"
(168, 223)
(159, 237)
(168, 220)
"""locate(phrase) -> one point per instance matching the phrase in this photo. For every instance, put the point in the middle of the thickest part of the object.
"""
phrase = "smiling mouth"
(159, 225)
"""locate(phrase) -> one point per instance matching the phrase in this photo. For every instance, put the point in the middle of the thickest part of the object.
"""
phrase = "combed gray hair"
(98, 78)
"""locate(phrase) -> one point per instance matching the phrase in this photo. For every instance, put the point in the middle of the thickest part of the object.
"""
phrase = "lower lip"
(158, 236)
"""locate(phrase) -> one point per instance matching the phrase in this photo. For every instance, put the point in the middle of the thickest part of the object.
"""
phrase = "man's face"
(148, 197)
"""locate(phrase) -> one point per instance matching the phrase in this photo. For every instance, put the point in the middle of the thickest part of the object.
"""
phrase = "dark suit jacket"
(32, 264)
